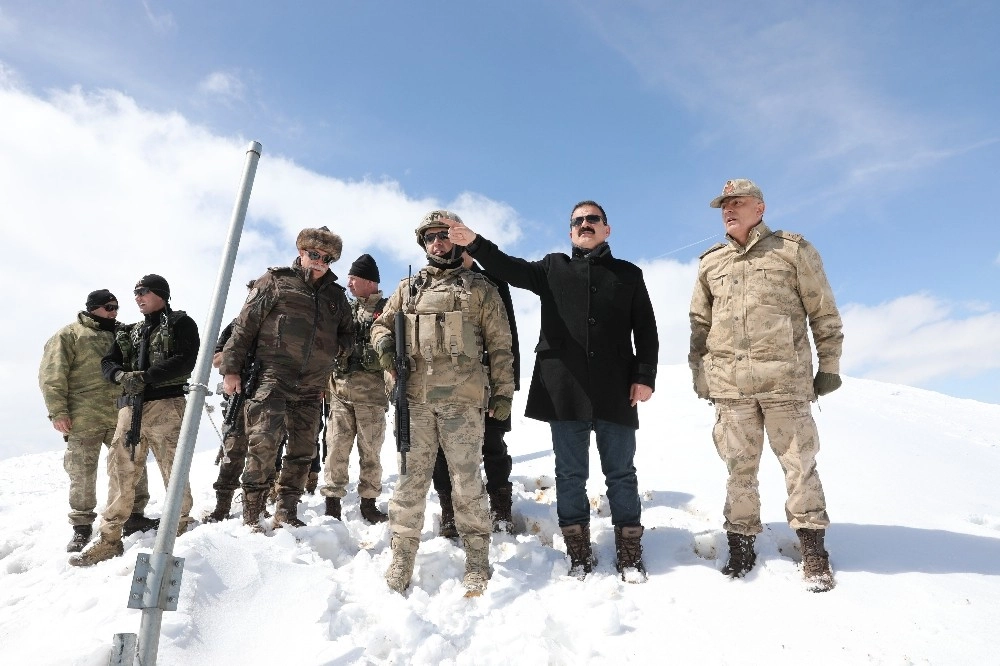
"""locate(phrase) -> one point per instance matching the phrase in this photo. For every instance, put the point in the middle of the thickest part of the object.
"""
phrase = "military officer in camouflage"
(756, 296)
(358, 402)
(453, 316)
(299, 320)
(152, 358)
(81, 406)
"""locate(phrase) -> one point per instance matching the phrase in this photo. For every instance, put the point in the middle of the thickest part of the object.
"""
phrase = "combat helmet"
(436, 220)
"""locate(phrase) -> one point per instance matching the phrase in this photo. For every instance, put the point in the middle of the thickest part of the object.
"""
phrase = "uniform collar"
(756, 234)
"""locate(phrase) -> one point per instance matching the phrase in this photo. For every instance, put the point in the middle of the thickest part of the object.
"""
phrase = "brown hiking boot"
(81, 535)
(139, 523)
(286, 512)
(741, 555)
(223, 503)
(477, 564)
(628, 550)
(500, 510)
(404, 554)
(333, 507)
(99, 551)
(581, 556)
(815, 560)
(253, 506)
(312, 482)
(370, 512)
(447, 529)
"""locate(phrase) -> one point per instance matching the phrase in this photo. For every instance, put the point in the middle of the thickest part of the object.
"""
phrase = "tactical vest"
(363, 357)
(160, 348)
(439, 324)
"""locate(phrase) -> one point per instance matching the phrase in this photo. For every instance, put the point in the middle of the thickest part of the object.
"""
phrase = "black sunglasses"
(141, 291)
(435, 235)
(314, 255)
(577, 221)
(111, 307)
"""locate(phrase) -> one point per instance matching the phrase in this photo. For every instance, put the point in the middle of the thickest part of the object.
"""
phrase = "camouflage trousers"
(161, 425)
(83, 452)
(791, 432)
(267, 422)
(347, 421)
(458, 430)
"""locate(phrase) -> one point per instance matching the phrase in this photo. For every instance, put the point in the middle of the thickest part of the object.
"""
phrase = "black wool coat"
(593, 309)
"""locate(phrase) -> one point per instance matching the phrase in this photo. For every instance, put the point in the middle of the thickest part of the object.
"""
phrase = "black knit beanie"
(98, 298)
(156, 284)
(365, 267)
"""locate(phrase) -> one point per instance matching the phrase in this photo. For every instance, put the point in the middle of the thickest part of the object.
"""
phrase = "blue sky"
(870, 127)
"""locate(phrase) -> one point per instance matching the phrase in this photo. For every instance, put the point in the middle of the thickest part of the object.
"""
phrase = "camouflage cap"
(435, 220)
(739, 187)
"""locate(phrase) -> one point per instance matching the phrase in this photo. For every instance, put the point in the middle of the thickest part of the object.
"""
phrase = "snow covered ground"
(911, 480)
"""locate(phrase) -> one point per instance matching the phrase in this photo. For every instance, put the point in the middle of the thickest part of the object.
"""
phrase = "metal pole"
(161, 559)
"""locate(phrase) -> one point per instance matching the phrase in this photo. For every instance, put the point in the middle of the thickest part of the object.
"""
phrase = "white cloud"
(226, 85)
(917, 339)
(98, 192)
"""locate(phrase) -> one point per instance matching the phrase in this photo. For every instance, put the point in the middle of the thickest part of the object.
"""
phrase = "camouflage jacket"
(453, 316)
(300, 328)
(750, 312)
(358, 378)
(70, 378)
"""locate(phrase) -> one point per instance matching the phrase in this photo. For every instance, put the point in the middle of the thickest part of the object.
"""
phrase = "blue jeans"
(616, 446)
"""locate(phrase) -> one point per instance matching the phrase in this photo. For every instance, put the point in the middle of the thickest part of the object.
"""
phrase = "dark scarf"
(104, 323)
(598, 252)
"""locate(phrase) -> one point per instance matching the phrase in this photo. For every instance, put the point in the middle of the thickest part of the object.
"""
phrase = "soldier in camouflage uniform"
(755, 299)
(170, 341)
(81, 406)
(453, 316)
(358, 402)
(299, 319)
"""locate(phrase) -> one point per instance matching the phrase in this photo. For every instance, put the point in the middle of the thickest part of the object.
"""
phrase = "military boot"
(286, 512)
(500, 510)
(815, 560)
(272, 492)
(312, 482)
(99, 551)
(253, 506)
(81, 535)
(447, 529)
(628, 550)
(477, 564)
(581, 556)
(404, 554)
(741, 555)
(223, 503)
(333, 507)
(370, 512)
(139, 523)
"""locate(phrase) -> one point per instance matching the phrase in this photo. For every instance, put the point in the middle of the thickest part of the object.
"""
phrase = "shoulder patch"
(717, 246)
(788, 235)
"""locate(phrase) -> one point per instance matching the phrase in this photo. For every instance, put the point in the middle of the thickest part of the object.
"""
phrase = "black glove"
(133, 382)
(500, 406)
(826, 382)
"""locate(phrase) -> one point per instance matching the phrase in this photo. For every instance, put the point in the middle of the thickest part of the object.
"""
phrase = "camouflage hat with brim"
(739, 187)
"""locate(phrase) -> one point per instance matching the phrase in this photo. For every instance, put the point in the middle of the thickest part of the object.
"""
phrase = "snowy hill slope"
(910, 478)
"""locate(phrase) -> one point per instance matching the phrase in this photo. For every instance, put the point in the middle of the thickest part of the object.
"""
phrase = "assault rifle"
(401, 403)
(249, 378)
(136, 401)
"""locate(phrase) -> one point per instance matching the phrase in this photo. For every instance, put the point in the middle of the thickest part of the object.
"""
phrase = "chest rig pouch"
(442, 325)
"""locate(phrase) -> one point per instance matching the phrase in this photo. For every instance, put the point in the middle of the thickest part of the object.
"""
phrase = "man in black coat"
(587, 376)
